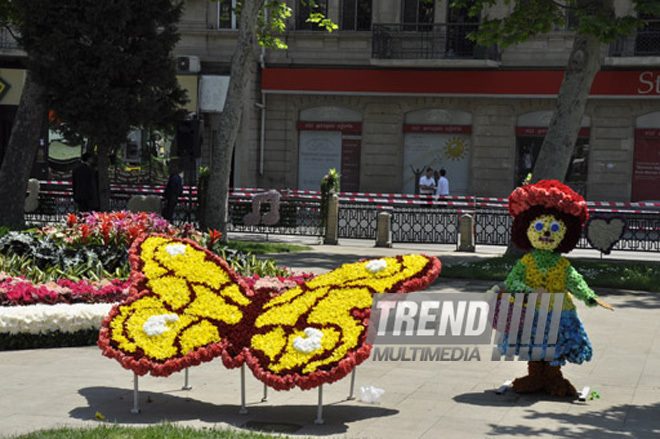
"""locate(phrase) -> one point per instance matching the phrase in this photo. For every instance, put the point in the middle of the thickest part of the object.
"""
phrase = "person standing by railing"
(85, 184)
(443, 184)
(173, 191)
(427, 183)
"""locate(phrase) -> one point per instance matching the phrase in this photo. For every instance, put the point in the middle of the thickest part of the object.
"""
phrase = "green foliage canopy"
(528, 18)
(105, 66)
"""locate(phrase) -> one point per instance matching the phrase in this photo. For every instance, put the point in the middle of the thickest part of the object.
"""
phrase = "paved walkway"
(54, 387)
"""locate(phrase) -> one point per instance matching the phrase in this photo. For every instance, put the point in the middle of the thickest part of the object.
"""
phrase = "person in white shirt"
(443, 184)
(427, 183)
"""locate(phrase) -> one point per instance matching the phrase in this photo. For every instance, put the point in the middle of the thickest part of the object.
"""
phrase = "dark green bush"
(54, 339)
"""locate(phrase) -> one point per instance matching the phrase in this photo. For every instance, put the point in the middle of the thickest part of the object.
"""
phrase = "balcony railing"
(7, 40)
(428, 41)
(645, 43)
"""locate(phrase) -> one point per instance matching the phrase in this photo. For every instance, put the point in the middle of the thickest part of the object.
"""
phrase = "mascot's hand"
(604, 304)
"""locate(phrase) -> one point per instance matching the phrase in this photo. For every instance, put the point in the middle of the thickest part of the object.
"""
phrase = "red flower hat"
(550, 194)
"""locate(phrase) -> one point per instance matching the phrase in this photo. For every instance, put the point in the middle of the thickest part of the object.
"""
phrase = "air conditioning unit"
(188, 64)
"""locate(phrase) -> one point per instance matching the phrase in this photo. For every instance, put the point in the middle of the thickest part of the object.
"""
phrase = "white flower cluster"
(310, 343)
(376, 265)
(41, 319)
(157, 325)
(176, 249)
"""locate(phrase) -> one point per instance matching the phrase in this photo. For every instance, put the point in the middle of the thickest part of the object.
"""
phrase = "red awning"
(611, 84)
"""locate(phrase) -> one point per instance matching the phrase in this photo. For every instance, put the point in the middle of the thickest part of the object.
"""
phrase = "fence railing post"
(332, 221)
(465, 233)
(384, 229)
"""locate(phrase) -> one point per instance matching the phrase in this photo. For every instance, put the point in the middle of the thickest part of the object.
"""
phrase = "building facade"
(398, 88)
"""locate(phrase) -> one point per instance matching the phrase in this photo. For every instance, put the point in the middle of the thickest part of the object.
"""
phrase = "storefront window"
(226, 17)
(356, 15)
(420, 14)
(527, 151)
(329, 137)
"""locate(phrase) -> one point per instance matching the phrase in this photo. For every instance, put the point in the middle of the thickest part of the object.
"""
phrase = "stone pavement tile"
(416, 414)
(655, 344)
(648, 395)
(624, 370)
(550, 425)
(457, 428)
(481, 406)
(643, 414)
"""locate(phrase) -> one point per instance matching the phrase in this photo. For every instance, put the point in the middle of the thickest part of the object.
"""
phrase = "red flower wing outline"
(214, 282)
(334, 308)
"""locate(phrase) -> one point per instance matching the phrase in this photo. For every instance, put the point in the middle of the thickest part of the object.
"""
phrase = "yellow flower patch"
(293, 358)
(172, 290)
(198, 335)
(134, 316)
(270, 343)
(192, 266)
(208, 304)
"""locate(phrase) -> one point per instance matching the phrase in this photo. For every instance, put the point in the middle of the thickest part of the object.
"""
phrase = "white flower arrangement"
(310, 343)
(157, 325)
(376, 265)
(41, 319)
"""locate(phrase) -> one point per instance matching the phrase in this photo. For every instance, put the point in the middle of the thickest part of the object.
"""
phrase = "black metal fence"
(299, 214)
(428, 41)
(415, 219)
(646, 42)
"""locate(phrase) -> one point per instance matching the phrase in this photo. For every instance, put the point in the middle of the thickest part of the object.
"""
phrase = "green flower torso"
(551, 271)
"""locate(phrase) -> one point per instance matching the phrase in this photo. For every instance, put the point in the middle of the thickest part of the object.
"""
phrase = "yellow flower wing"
(185, 305)
(316, 333)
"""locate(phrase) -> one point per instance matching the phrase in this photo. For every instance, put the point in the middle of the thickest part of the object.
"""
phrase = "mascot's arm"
(515, 281)
(576, 284)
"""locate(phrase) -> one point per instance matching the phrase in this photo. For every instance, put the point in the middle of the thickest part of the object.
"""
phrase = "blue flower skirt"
(572, 344)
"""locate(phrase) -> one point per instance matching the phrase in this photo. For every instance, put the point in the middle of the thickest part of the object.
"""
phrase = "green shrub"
(55, 339)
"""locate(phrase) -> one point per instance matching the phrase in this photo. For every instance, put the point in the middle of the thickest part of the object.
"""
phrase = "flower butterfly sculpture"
(186, 306)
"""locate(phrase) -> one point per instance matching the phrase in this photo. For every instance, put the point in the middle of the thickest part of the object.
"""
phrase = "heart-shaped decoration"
(603, 232)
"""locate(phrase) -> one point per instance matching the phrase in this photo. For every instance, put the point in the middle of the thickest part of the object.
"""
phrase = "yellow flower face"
(546, 232)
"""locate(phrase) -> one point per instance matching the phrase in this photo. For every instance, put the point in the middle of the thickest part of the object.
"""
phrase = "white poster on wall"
(213, 93)
(449, 151)
(319, 152)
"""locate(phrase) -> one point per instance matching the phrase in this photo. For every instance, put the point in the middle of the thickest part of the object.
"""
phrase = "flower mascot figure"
(548, 219)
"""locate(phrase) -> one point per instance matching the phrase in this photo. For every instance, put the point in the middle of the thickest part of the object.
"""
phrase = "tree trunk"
(558, 145)
(217, 197)
(103, 168)
(20, 153)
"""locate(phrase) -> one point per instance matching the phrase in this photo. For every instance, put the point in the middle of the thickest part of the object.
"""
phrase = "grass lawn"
(59, 151)
(162, 431)
(259, 248)
(637, 275)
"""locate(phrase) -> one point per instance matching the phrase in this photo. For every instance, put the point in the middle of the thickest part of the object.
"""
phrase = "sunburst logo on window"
(4, 86)
(456, 148)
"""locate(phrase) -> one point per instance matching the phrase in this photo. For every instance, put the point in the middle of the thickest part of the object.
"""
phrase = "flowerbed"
(85, 261)
(46, 325)
(43, 318)
(65, 313)
(16, 290)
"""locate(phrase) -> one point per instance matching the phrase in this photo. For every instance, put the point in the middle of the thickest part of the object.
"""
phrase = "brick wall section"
(611, 152)
(493, 143)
